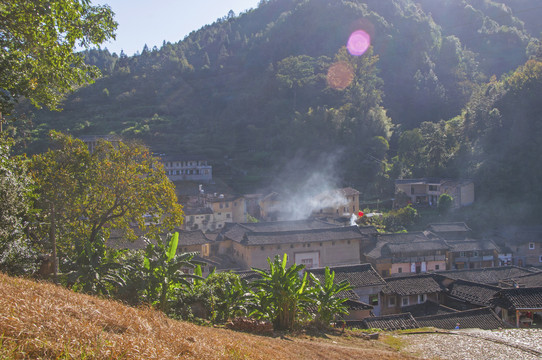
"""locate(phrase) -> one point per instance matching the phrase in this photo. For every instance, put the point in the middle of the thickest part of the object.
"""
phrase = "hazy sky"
(153, 21)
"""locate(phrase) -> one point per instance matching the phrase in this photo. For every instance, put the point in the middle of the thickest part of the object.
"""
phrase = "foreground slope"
(41, 320)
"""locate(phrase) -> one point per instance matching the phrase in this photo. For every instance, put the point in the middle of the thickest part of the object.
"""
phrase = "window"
(422, 298)
(404, 301)
(307, 263)
(476, 253)
(391, 301)
(228, 215)
(432, 187)
(461, 254)
(437, 267)
(385, 273)
(373, 299)
(540, 258)
(531, 246)
(262, 248)
(400, 270)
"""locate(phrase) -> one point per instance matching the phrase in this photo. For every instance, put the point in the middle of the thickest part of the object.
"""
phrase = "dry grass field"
(44, 321)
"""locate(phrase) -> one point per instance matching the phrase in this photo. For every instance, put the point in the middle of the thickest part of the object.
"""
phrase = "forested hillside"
(272, 94)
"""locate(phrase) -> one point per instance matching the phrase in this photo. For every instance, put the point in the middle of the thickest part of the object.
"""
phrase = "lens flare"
(358, 42)
(340, 75)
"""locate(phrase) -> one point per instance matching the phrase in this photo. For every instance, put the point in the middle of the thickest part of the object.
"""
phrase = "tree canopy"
(37, 43)
(118, 186)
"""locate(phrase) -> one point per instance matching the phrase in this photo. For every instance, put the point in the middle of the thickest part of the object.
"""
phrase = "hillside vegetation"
(256, 94)
(44, 321)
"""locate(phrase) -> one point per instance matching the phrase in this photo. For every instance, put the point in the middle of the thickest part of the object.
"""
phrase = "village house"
(333, 206)
(337, 205)
(414, 252)
(312, 243)
(525, 243)
(403, 291)
(187, 168)
(491, 276)
(426, 191)
(520, 307)
(450, 231)
(467, 295)
(472, 254)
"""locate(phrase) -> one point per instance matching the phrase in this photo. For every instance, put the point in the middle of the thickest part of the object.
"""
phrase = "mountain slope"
(251, 93)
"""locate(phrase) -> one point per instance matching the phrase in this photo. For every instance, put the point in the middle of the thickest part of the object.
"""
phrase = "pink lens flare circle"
(358, 42)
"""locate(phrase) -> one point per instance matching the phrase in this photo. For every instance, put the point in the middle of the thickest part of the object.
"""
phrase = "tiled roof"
(473, 293)
(357, 305)
(302, 236)
(521, 298)
(472, 245)
(197, 211)
(427, 308)
(391, 322)
(483, 318)
(295, 225)
(529, 281)
(357, 275)
(411, 285)
(196, 237)
(448, 227)
(182, 157)
(381, 247)
(487, 275)
(416, 246)
(248, 275)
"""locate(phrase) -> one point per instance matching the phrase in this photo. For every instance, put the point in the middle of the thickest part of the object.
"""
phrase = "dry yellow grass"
(44, 321)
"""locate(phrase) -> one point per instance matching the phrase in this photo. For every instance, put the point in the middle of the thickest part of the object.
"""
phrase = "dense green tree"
(38, 40)
(17, 254)
(445, 203)
(83, 196)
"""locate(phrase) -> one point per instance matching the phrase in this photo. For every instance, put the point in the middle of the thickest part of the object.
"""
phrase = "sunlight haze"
(151, 22)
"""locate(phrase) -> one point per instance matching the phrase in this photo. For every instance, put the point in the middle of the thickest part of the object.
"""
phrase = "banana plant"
(281, 294)
(327, 295)
(94, 269)
(165, 271)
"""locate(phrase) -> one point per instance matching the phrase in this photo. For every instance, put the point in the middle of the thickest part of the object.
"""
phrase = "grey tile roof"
(382, 248)
(412, 285)
(427, 308)
(197, 211)
(302, 236)
(357, 275)
(448, 227)
(473, 293)
(521, 298)
(529, 281)
(472, 245)
(416, 246)
(487, 275)
(295, 225)
(391, 322)
(483, 318)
